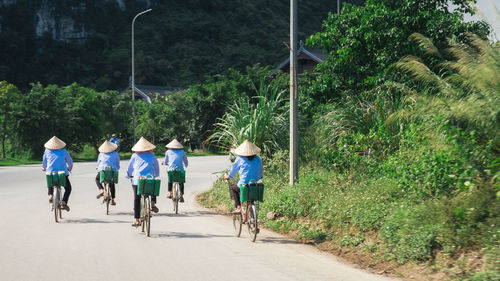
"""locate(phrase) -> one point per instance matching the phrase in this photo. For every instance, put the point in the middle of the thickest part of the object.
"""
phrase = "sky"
(488, 10)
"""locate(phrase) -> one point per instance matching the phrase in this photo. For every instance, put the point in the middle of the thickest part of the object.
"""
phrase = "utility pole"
(338, 7)
(293, 94)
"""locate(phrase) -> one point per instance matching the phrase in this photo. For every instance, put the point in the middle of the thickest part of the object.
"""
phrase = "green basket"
(149, 186)
(108, 175)
(252, 192)
(56, 179)
(177, 176)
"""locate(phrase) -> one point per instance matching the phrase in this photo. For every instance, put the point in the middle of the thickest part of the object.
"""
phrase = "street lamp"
(133, 78)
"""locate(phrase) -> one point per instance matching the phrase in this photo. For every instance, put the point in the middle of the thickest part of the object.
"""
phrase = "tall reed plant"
(262, 119)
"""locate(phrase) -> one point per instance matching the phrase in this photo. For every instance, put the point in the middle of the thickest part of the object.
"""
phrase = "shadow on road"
(185, 214)
(92, 221)
(187, 235)
(276, 240)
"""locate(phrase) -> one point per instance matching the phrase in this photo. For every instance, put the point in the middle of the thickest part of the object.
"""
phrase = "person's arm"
(156, 167)
(117, 160)
(69, 161)
(185, 160)
(44, 163)
(165, 161)
(130, 168)
(261, 169)
(99, 159)
(235, 168)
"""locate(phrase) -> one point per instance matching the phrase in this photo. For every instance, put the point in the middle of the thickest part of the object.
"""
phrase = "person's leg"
(99, 185)
(170, 185)
(112, 189)
(67, 191)
(137, 207)
(181, 185)
(137, 203)
(153, 204)
(236, 192)
(50, 190)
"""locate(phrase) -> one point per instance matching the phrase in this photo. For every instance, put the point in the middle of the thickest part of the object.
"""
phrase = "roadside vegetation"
(399, 144)
(399, 136)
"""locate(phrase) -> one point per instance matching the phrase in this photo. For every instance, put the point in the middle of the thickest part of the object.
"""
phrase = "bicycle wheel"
(237, 224)
(56, 203)
(176, 196)
(108, 198)
(252, 222)
(147, 217)
(143, 212)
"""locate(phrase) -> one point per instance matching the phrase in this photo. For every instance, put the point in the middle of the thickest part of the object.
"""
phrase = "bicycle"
(108, 176)
(146, 187)
(107, 197)
(146, 214)
(176, 177)
(251, 194)
(56, 203)
(56, 180)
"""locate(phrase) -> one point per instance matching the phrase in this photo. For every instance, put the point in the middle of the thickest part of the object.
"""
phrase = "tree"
(9, 94)
(364, 41)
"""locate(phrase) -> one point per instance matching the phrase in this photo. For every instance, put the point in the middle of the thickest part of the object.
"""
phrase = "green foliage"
(365, 40)
(9, 95)
(73, 113)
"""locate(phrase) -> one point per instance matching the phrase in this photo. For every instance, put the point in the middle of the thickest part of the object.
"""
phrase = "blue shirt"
(56, 160)
(111, 159)
(249, 170)
(142, 164)
(175, 159)
(115, 141)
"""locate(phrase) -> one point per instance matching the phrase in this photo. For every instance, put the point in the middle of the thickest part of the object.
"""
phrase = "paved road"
(88, 245)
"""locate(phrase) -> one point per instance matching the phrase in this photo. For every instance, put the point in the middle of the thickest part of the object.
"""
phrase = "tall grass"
(262, 120)
(468, 87)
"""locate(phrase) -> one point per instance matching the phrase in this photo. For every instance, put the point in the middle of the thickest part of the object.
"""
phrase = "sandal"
(113, 203)
(136, 224)
(155, 209)
(181, 199)
(101, 194)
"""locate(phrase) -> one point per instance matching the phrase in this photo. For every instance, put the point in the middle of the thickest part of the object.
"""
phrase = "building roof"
(316, 55)
(146, 92)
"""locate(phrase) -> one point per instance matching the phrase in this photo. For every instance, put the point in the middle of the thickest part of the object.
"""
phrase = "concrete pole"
(338, 7)
(133, 73)
(293, 94)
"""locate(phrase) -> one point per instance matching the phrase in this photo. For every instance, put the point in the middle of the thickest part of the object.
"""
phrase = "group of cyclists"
(144, 163)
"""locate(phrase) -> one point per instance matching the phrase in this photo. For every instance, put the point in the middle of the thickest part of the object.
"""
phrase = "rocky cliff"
(59, 19)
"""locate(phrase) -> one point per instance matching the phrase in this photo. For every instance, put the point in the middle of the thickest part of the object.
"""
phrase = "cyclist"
(55, 159)
(176, 159)
(114, 139)
(107, 157)
(142, 163)
(248, 165)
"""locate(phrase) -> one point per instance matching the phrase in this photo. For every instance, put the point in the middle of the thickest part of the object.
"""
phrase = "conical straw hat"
(143, 145)
(107, 147)
(54, 143)
(247, 149)
(175, 144)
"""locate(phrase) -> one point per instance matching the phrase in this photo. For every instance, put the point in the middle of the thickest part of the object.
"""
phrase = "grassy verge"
(15, 162)
(372, 221)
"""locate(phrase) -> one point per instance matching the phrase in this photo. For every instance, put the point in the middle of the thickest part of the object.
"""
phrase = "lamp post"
(133, 78)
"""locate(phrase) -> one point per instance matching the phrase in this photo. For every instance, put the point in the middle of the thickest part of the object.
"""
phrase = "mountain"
(177, 44)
